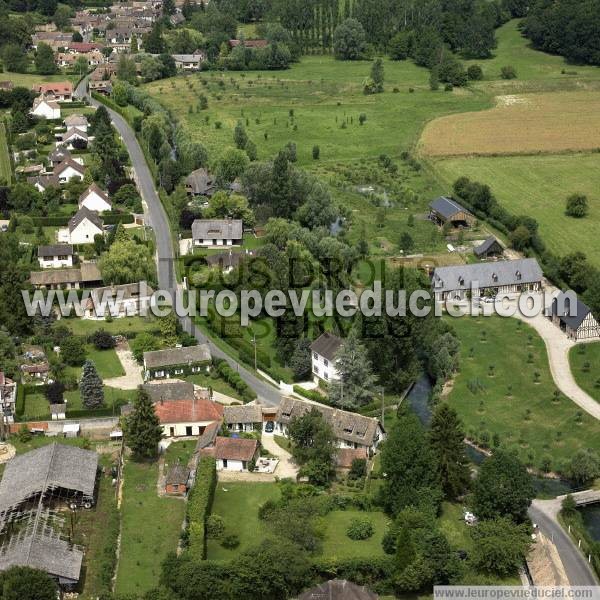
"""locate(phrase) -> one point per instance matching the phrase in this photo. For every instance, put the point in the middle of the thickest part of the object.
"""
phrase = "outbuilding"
(575, 318)
(445, 210)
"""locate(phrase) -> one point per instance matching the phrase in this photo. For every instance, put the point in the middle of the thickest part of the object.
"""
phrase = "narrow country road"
(544, 513)
(165, 254)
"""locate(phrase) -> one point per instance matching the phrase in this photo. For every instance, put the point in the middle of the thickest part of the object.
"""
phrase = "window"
(175, 487)
(188, 430)
(326, 362)
(178, 371)
(325, 374)
(315, 369)
(315, 356)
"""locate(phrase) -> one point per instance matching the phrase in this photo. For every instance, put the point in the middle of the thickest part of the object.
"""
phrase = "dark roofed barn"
(490, 247)
(445, 210)
(574, 317)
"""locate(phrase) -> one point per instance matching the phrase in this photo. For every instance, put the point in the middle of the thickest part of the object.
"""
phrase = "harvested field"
(518, 124)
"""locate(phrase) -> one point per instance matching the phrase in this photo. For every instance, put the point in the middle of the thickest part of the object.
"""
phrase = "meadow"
(585, 366)
(498, 393)
(538, 186)
(5, 166)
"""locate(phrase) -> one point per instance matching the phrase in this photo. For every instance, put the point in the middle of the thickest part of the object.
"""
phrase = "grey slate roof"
(327, 345)
(447, 207)
(175, 390)
(177, 356)
(572, 316)
(217, 229)
(247, 413)
(54, 465)
(55, 250)
(41, 551)
(200, 182)
(84, 213)
(177, 474)
(209, 436)
(490, 274)
(87, 273)
(59, 154)
(338, 589)
(346, 425)
(485, 247)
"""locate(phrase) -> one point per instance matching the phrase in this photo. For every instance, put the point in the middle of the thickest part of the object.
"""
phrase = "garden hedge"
(200, 504)
(234, 379)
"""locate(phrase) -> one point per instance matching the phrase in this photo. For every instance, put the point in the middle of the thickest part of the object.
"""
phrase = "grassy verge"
(150, 528)
(496, 394)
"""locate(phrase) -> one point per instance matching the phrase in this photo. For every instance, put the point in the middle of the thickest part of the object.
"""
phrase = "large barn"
(503, 277)
(445, 210)
(576, 320)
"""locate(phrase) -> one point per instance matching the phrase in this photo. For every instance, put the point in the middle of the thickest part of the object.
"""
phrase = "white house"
(61, 91)
(69, 169)
(55, 256)
(174, 362)
(351, 430)
(78, 121)
(246, 417)
(73, 134)
(83, 226)
(235, 454)
(95, 199)
(46, 109)
(324, 349)
(217, 232)
(117, 301)
(189, 62)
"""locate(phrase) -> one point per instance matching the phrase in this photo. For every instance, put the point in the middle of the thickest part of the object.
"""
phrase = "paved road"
(165, 254)
(544, 513)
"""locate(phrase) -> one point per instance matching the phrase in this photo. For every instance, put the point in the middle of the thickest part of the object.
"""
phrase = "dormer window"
(494, 276)
(518, 274)
(461, 280)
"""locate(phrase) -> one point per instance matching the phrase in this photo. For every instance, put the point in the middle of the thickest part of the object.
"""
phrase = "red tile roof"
(59, 87)
(235, 448)
(84, 46)
(188, 411)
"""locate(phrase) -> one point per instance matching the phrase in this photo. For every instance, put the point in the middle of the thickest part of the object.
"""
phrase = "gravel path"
(286, 466)
(133, 373)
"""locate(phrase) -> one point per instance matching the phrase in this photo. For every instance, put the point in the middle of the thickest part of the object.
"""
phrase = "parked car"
(269, 427)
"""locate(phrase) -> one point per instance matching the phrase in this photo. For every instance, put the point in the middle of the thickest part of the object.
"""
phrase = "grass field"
(585, 366)
(550, 122)
(107, 363)
(5, 166)
(238, 504)
(337, 544)
(525, 416)
(122, 326)
(538, 186)
(325, 97)
(150, 528)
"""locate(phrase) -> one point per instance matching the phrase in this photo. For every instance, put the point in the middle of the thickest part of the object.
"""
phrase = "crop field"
(316, 102)
(538, 186)
(518, 124)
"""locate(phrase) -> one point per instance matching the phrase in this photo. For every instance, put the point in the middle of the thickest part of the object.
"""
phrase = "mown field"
(519, 124)
(538, 186)
(496, 392)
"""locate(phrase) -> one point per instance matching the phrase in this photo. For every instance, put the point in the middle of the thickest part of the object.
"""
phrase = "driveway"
(133, 372)
(286, 467)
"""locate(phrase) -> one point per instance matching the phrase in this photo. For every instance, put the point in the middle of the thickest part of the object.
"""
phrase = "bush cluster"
(234, 380)
(360, 529)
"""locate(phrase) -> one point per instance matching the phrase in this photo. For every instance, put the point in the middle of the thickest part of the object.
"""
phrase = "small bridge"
(584, 497)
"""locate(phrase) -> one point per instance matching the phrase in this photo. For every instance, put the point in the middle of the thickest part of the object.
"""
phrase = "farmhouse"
(235, 454)
(200, 183)
(47, 109)
(86, 275)
(95, 199)
(457, 282)
(167, 391)
(247, 417)
(55, 256)
(8, 397)
(68, 169)
(117, 301)
(84, 225)
(61, 90)
(217, 232)
(176, 481)
(445, 210)
(324, 349)
(490, 247)
(350, 429)
(159, 364)
(187, 417)
(189, 62)
(576, 320)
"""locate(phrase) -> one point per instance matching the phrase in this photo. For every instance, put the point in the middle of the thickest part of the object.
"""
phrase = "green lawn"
(323, 94)
(538, 187)
(585, 366)
(150, 528)
(122, 326)
(217, 384)
(107, 363)
(337, 544)
(5, 166)
(179, 452)
(486, 405)
(239, 507)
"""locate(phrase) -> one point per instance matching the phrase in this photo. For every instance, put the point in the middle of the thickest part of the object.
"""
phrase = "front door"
(172, 431)
(224, 463)
(188, 430)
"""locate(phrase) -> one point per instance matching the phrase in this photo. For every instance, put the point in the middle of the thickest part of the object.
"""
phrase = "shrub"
(230, 541)
(577, 206)
(360, 529)
(362, 118)
(358, 468)
(102, 340)
(215, 527)
(508, 72)
(475, 73)
(316, 152)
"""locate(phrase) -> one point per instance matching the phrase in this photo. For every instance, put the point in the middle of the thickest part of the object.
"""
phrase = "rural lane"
(165, 254)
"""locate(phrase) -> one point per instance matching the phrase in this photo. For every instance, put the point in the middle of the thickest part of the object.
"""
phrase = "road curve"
(165, 255)
(544, 514)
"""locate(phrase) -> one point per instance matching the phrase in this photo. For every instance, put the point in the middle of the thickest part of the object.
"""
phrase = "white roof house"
(95, 199)
(84, 226)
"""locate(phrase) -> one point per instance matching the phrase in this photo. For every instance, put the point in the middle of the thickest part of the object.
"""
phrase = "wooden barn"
(490, 248)
(576, 320)
(445, 210)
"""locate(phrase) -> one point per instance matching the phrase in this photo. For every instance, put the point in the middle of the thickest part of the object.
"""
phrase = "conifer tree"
(142, 427)
(92, 392)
